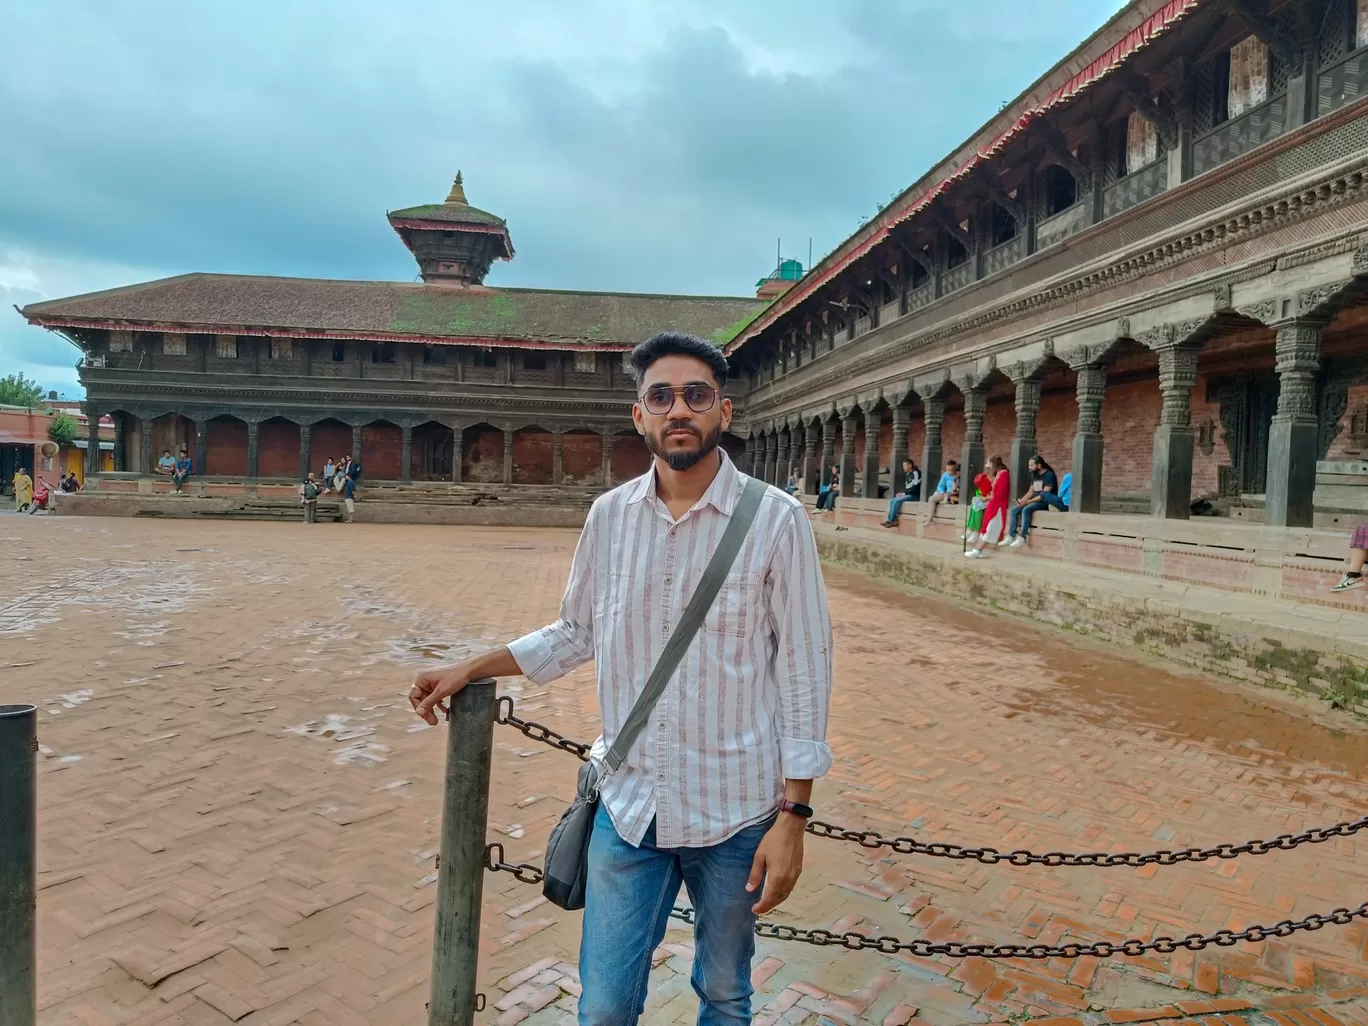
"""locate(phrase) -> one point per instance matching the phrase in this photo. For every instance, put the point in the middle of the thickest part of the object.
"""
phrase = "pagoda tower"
(453, 242)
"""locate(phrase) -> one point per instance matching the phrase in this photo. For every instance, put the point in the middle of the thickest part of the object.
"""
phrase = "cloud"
(630, 146)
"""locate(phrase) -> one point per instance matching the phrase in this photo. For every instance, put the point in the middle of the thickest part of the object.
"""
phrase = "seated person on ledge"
(165, 465)
(947, 490)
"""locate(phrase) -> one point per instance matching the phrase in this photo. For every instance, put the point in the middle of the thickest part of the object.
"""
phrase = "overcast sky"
(631, 145)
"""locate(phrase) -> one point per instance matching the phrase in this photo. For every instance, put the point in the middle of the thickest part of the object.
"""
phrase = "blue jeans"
(1046, 500)
(895, 507)
(627, 905)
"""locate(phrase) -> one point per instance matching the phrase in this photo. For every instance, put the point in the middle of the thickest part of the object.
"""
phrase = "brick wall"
(278, 449)
(1130, 413)
(226, 451)
(1205, 466)
(581, 459)
(532, 457)
(482, 451)
(630, 458)
(1055, 427)
(382, 447)
(330, 440)
(1343, 447)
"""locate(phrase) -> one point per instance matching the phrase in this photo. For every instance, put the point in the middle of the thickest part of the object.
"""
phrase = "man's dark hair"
(678, 343)
(909, 462)
(952, 464)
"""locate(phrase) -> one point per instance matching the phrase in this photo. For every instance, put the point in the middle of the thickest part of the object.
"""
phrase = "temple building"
(1150, 267)
(445, 380)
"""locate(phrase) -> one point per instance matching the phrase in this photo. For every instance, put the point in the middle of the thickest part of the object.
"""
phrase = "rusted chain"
(992, 856)
(890, 945)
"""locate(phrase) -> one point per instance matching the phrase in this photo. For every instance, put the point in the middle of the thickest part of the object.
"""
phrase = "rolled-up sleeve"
(558, 648)
(801, 623)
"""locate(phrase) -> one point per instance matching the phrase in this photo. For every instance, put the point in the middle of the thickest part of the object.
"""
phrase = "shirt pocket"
(735, 611)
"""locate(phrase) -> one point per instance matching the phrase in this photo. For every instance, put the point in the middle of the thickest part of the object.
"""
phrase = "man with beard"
(714, 793)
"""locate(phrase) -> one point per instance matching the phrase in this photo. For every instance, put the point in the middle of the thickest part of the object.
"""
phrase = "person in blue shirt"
(349, 492)
(181, 470)
(947, 490)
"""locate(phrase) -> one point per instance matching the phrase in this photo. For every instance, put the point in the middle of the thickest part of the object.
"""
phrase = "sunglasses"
(659, 400)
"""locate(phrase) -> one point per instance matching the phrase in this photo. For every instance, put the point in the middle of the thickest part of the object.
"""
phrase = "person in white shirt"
(714, 793)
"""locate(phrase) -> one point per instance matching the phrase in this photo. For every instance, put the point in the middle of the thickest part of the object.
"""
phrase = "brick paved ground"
(215, 848)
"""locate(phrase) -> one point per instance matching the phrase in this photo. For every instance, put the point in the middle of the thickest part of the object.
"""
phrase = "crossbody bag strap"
(708, 586)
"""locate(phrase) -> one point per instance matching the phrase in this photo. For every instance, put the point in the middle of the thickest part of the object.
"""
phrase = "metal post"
(460, 877)
(18, 864)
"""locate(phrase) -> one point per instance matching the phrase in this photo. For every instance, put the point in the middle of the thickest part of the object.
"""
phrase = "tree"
(64, 429)
(17, 390)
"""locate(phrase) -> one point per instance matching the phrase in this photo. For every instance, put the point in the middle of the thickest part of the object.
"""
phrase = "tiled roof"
(454, 213)
(396, 310)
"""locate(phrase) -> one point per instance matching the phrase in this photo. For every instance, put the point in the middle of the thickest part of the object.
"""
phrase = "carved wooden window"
(534, 361)
(585, 363)
(955, 253)
(1061, 191)
(226, 347)
(433, 356)
(1142, 143)
(1248, 85)
(627, 362)
(121, 341)
(339, 352)
(381, 353)
(1361, 24)
(484, 358)
(242, 348)
(173, 343)
(1002, 226)
(282, 349)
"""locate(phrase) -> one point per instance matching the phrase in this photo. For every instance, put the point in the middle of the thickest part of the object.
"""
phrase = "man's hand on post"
(432, 688)
(778, 862)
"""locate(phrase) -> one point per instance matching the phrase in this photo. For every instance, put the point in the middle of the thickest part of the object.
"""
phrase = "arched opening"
(329, 440)
(581, 457)
(127, 432)
(532, 456)
(278, 448)
(482, 454)
(630, 458)
(1130, 415)
(225, 453)
(382, 448)
(172, 432)
(433, 449)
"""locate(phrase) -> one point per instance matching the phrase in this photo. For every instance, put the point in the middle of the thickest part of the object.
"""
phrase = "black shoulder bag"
(567, 851)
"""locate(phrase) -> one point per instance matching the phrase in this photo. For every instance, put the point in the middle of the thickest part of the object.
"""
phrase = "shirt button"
(660, 776)
(661, 728)
(669, 580)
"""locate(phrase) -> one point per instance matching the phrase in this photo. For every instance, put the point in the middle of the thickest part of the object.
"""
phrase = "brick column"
(933, 417)
(406, 453)
(828, 450)
(253, 435)
(356, 445)
(869, 480)
(305, 450)
(508, 456)
(1090, 390)
(1171, 479)
(1294, 434)
(971, 459)
(899, 453)
(849, 422)
(1024, 442)
(557, 445)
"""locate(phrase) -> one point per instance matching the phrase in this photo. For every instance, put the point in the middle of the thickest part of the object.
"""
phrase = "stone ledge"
(1277, 643)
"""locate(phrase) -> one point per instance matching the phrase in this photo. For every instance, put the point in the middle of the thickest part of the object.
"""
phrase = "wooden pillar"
(557, 447)
(201, 446)
(1024, 442)
(457, 451)
(869, 479)
(933, 416)
(356, 445)
(1171, 477)
(1090, 390)
(253, 434)
(144, 445)
(1293, 437)
(899, 453)
(508, 456)
(406, 453)
(849, 422)
(92, 442)
(606, 457)
(828, 451)
(971, 460)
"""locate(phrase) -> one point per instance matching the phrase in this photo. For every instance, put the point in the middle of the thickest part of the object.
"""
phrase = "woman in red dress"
(997, 503)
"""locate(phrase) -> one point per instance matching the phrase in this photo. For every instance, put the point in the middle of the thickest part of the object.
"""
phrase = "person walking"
(998, 501)
(23, 490)
(715, 801)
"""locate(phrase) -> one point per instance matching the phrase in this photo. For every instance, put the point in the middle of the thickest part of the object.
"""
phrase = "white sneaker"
(1006, 539)
(974, 554)
(1017, 542)
(972, 537)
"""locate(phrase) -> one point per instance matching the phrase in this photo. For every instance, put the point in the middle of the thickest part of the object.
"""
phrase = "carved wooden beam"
(1057, 150)
(943, 218)
(1132, 88)
(1271, 33)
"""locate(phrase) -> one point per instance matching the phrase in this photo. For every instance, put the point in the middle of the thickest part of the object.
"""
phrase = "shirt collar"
(722, 494)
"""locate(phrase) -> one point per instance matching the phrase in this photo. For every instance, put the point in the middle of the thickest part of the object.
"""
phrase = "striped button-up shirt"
(747, 707)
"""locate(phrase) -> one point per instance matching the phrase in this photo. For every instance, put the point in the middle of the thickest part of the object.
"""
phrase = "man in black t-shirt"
(1042, 493)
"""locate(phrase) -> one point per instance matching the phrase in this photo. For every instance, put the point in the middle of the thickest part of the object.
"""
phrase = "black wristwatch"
(804, 811)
